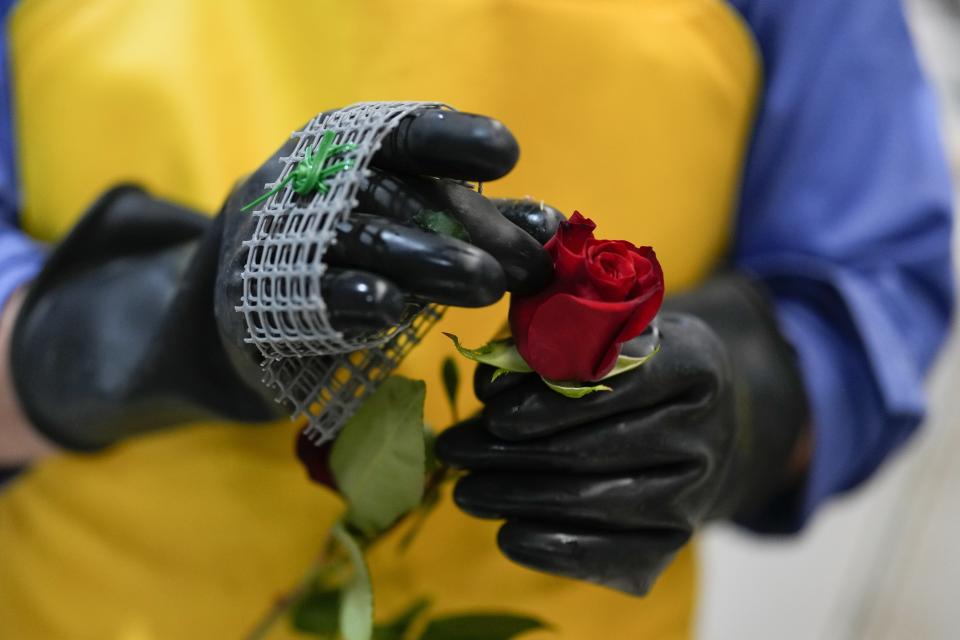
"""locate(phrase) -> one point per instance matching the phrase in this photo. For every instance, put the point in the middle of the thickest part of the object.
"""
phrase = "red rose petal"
(567, 245)
(570, 338)
(646, 309)
(577, 230)
(611, 269)
(521, 315)
(649, 272)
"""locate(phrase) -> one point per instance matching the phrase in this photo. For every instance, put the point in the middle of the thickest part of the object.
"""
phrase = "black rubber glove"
(607, 488)
(131, 325)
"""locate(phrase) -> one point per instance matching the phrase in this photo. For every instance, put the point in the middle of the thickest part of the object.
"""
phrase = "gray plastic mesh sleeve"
(320, 373)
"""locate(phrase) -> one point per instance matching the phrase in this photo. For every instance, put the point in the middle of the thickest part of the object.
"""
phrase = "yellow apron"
(635, 112)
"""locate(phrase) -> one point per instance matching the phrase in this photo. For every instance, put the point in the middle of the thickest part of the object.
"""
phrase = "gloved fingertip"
(450, 144)
(464, 276)
(469, 496)
(531, 268)
(495, 150)
(529, 547)
(505, 428)
(452, 446)
(527, 265)
(535, 217)
(486, 282)
(360, 300)
(513, 409)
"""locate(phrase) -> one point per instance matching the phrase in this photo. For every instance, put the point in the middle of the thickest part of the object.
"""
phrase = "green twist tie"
(310, 175)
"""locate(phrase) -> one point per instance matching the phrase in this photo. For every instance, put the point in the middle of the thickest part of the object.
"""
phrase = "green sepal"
(629, 363)
(573, 389)
(501, 354)
(577, 390)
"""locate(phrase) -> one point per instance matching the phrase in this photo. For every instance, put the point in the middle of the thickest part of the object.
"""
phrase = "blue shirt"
(20, 257)
(845, 215)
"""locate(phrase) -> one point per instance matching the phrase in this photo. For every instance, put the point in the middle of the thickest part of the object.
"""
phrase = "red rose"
(604, 293)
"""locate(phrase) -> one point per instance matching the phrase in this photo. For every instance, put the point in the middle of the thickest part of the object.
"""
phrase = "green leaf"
(577, 390)
(574, 390)
(318, 612)
(356, 596)
(442, 223)
(451, 384)
(501, 354)
(480, 627)
(378, 459)
(397, 628)
(628, 363)
(499, 373)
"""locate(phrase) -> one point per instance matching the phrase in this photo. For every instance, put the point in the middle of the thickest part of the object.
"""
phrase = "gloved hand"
(132, 325)
(607, 488)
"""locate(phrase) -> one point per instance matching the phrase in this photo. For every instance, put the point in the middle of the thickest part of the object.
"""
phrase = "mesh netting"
(321, 373)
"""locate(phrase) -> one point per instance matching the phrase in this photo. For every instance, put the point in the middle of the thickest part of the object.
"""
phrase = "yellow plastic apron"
(634, 112)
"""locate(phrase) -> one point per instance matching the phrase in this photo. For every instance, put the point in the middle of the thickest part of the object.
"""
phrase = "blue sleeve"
(846, 216)
(20, 257)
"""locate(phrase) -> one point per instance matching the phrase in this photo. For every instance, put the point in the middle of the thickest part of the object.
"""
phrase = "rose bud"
(604, 293)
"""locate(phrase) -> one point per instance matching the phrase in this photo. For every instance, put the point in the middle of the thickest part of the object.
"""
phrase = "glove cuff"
(117, 336)
(770, 395)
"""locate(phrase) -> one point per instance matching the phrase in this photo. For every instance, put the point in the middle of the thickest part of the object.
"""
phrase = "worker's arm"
(20, 444)
(846, 219)
(20, 260)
